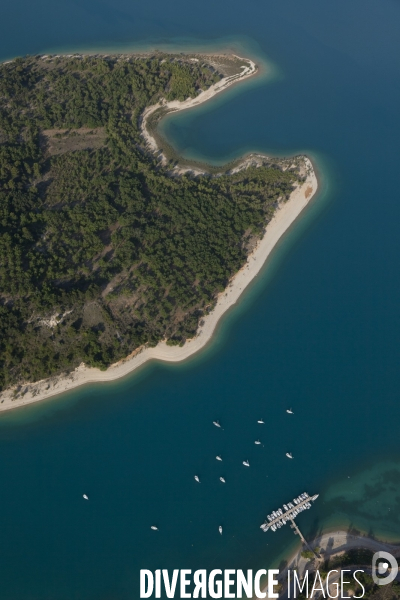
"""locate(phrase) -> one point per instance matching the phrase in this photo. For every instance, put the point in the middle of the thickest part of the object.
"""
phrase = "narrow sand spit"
(284, 216)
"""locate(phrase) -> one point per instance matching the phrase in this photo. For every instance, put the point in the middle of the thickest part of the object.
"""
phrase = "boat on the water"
(222, 479)
(261, 422)
(218, 458)
(289, 411)
(257, 442)
(197, 478)
(220, 529)
(216, 423)
(289, 455)
(246, 463)
(86, 497)
(154, 528)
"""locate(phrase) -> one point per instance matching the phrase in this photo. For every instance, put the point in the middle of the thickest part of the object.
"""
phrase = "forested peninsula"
(106, 247)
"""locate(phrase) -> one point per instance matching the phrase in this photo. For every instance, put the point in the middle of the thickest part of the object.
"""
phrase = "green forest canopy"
(93, 231)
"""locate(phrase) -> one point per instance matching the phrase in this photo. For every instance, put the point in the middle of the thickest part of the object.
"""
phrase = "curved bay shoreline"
(284, 217)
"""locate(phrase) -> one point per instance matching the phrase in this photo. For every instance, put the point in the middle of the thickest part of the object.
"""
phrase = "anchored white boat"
(220, 529)
(222, 479)
(289, 411)
(289, 455)
(261, 421)
(197, 478)
(86, 497)
(218, 458)
(246, 463)
(216, 423)
(257, 442)
(154, 528)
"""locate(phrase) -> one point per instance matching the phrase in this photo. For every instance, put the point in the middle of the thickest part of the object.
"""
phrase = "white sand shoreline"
(283, 218)
(177, 105)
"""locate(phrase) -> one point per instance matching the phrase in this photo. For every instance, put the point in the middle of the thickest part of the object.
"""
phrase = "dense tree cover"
(104, 240)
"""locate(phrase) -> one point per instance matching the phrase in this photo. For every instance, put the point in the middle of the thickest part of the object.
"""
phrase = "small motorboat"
(216, 423)
(218, 458)
(257, 442)
(86, 497)
(220, 529)
(246, 463)
(289, 455)
(197, 478)
(222, 479)
(154, 528)
(261, 422)
(289, 411)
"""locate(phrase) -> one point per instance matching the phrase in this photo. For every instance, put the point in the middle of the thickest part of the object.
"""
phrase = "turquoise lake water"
(318, 331)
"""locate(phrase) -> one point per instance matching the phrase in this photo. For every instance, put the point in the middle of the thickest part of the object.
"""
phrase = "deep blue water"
(318, 331)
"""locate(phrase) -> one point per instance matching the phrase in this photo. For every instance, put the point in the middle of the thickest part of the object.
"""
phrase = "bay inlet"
(318, 331)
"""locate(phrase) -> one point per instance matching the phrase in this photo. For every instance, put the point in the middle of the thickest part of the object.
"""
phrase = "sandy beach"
(284, 217)
(249, 69)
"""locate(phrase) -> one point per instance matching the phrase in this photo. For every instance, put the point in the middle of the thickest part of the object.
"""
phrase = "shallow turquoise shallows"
(318, 331)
